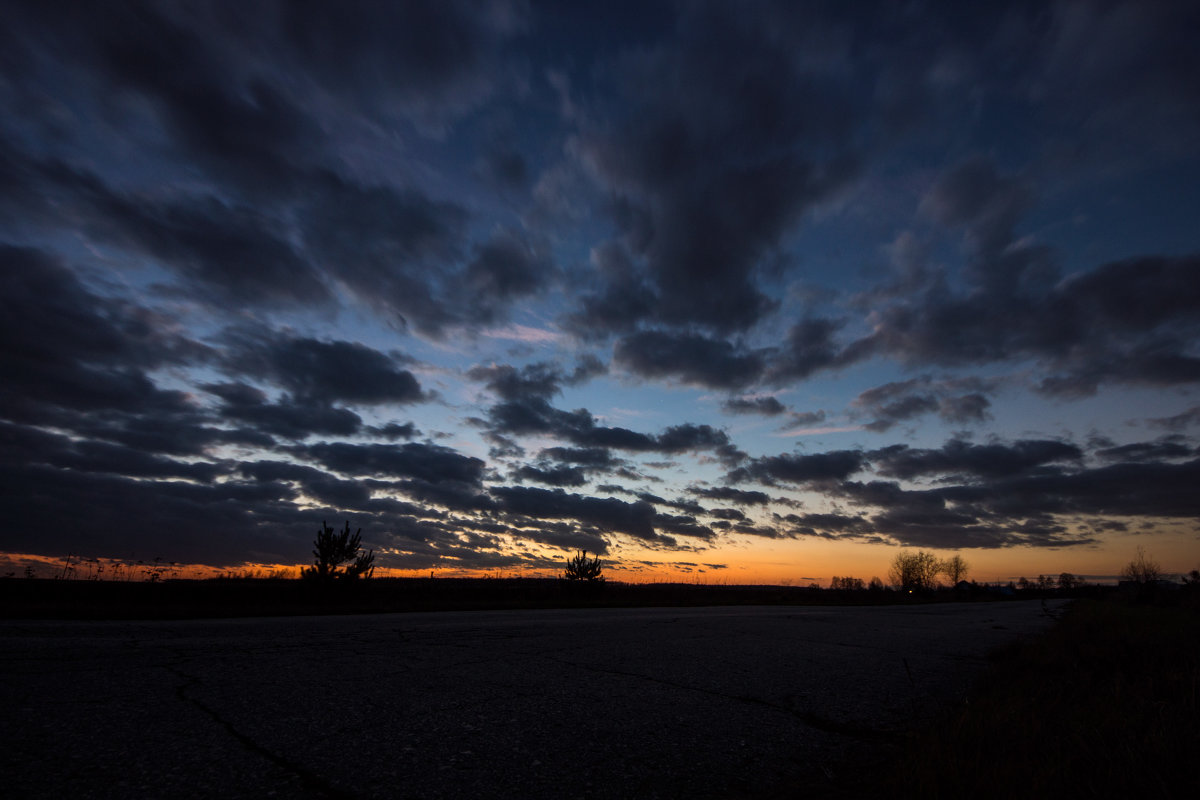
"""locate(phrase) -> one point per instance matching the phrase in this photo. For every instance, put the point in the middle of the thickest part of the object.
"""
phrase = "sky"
(722, 292)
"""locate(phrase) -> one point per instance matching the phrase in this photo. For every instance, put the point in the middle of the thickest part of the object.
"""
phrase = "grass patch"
(1104, 704)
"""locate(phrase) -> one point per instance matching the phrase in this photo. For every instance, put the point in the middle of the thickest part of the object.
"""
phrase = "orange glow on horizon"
(787, 562)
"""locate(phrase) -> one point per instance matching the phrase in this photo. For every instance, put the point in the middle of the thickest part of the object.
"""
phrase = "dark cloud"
(596, 458)
(564, 536)
(1131, 321)
(901, 409)
(798, 468)
(323, 372)
(809, 347)
(248, 128)
(457, 494)
(395, 430)
(964, 459)
(722, 141)
(525, 409)
(1166, 448)
(974, 196)
(560, 475)
(1179, 421)
(29, 445)
(433, 58)
(220, 523)
(235, 254)
(288, 418)
(506, 267)
(965, 408)
(828, 526)
(689, 358)
(63, 345)
(504, 167)
(731, 495)
(1125, 489)
(605, 513)
(427, 462)
(401, 251)
(766, 406)
(683, 525)
(540, 380)
(238, 125)
(901, 401)
(690, 438)
(395, 249)
(761, 531)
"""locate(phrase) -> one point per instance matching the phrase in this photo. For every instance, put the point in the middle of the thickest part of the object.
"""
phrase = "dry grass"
(1102, 705)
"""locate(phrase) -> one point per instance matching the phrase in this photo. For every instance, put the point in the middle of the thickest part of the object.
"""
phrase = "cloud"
(288, 418)
(699, 360)
(323, 372)
(810, 347)
(766, 406)
(433, 59)
(1179, 421)
(963, 459)
(541, 380)
(1166, 448)
(605, 513)
(525, 409)
(829, 526)
(427, 462)
(797, 468)
(206, 240)
(506, 267)
(259, 139)
(731, 495)
(1132, 321)
(396, 249)
(64, 346)
(900, 401)
(218, 523)
(560, 475)
(722, 141)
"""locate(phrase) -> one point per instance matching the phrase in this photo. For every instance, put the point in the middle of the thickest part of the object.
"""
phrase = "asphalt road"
(638, 703)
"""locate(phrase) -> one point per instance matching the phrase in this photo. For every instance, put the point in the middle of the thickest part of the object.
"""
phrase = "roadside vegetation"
(1104, 704)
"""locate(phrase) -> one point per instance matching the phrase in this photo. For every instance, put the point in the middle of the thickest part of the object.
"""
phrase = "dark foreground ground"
(743, 701)
(195, 599)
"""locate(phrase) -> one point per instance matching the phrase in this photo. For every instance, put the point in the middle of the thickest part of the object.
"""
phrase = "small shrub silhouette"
(582, 569)
(332, 549)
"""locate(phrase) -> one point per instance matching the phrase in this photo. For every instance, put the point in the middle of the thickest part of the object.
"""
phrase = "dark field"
(252, 597)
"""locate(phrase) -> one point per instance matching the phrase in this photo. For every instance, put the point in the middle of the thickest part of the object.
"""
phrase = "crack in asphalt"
(810, 718)
(307, 777)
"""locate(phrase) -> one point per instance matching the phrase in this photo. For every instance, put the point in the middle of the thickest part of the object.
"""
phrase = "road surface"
(609, 703)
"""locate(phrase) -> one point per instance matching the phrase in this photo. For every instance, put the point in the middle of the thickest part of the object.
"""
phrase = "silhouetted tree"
(1142, 568)
(581, 568)
(1067, 582)
(955, 568)
(847, 584)
(332, 549)
(915, 571)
